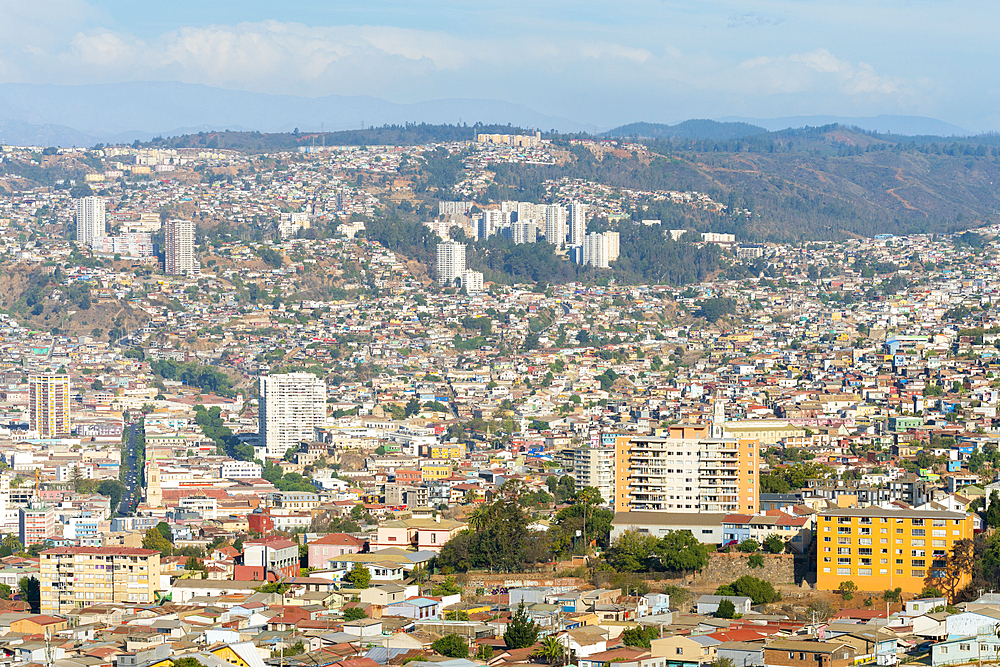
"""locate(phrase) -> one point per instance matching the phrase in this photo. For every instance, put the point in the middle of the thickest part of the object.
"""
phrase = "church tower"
(154, 496)
(719, 416)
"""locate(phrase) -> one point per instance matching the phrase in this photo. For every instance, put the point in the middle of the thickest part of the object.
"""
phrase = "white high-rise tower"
(291, 405)
(577, 223)
(90, 220)
(179, 258)
(450, 261)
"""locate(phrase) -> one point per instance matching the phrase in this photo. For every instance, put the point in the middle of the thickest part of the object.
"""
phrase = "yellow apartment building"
(72, 577)
(882, 549)
(687, 471)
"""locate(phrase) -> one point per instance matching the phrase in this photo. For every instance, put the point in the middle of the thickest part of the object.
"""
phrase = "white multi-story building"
(48, 405)
(555, 225)
(577, 223)
(132, 244)
(178, 237)
(450, 261)
(522, 232)
(291, 406)
(90, 220)
(490, 222)
(600, 249)
(472, 281)
(595, 466)
(240, 470)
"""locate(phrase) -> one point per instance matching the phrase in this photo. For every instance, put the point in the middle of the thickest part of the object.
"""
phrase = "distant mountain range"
(55, 115)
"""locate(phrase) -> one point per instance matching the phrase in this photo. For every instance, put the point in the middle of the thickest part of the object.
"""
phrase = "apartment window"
(827, 539)
(899, 531)
(843, 540)
(917, 563)
(843, 561)
(864, 552)
(865, 541)
(844, 530)
(826, 570)
(844, 550)
(917, 543)
(918, 532)
(917, 553)
(899, 572)
(918, 573)
(843, 571)
(938, 543)
(864, 572)
(917, 522)
(680, 651)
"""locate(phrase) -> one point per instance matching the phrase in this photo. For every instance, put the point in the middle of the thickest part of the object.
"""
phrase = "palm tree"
(479, 518)
(551, 650)
(11, 542)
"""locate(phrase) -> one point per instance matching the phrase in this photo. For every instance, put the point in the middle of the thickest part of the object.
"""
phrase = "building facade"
(90, 220)
(72, 577)
(687, 472)
(179, 255)
(291, 406)
(450, 262)
(881, 549)
(595, 466)
(276, 554)
(577, 223)
(48, 405)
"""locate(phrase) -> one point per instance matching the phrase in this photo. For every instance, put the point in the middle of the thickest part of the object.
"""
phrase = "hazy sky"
(604, 62)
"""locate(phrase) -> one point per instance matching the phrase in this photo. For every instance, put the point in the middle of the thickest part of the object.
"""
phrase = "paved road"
(133, 484)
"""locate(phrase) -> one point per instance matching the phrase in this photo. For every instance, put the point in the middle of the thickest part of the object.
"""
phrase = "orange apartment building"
(881, 549)
(687, 471)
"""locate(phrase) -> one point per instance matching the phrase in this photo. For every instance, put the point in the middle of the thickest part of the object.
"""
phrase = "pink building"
(335, 544)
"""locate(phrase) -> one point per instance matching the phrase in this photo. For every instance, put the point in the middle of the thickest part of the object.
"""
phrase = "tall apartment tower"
(577, 223)
(48, 400)
(599, 249)
(450, 261)
(555, 225)
(291, 405)
(90, 220)
(178, 236)
(687, 471)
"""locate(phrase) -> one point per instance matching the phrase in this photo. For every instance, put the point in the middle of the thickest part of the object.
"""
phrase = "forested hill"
(689, 129)
(410, 134)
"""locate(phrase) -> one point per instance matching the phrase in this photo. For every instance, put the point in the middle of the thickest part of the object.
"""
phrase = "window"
(918, 532)
(843, 561)
(680, 651)
(844, 530)
(843, 571)
(917, 522)
(844, 550)
(918, 573)
(963, 647)
(865, 541)
(917, 543)
(864, 572)
(843, 540)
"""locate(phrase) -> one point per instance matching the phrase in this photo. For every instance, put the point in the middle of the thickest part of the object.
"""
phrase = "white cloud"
(801, 72)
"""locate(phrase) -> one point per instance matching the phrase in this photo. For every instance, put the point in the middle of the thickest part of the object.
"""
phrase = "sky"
(602, 63)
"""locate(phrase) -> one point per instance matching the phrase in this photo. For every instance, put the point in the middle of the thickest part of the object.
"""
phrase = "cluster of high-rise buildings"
(178, 238)
(452, 269)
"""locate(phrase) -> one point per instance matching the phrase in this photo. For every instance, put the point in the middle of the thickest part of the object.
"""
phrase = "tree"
(452, 646)
(680, 551)
(773, 544)
(749, 546)
(153, 539)
(5, 591)
(726, 609)
(847, 589)
(164, 529)
(354, 613)
(993, 510)
(30, 590)
(639, 636)
(551, 650)
(484, 652)
(412, 407)
(446, 587)
(522, 632)
(892, 595)
(931, 592)
(632, 551)
(758, 590)
(359, 576)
